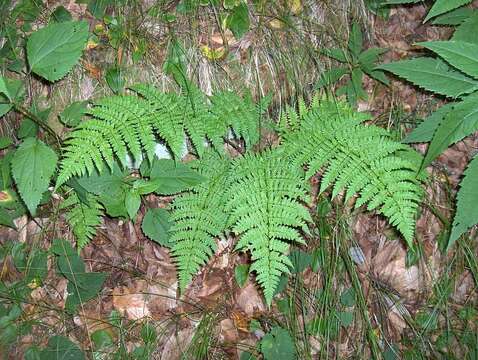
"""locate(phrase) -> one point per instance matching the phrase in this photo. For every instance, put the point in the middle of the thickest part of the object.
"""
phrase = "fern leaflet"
(264, 203)
(199, 217)
(359, 159)
(83, 218)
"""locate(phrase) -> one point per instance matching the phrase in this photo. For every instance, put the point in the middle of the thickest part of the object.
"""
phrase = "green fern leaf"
(83, 218)
(199, 217)
(359, 159)
(433, 75)
(264, 203)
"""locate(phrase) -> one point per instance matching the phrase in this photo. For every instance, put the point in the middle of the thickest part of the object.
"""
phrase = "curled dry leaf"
(140, 299)
(249, 300)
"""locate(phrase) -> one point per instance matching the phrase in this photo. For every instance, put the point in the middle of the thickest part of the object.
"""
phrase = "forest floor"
(401, 303)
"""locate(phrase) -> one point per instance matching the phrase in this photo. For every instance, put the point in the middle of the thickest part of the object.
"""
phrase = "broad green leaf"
(461, 55)
(346, 318)
(33, 165)
(84, 287)
(175, 62)
(278, 345)
(466, 210)
(355, 40)
(61, 348)
(455, 17)
(460, 121)
(97, 8)
(173, 177)
(27, 10)
(443, 6)
(102, 339)
(347, 298)
(109, 182)
(11, 88)
(433, 75)
(115, 80)
(5, 142)
(356, 77)
(60, 15)
(425, 130)
(369, 56)
(156, 225)
(330, 77)
(28, 128)
(132, 202)
(6, 218)
(467, 30)
(300, 261)
(241, 274)
(73, 113)
(53, 50)
(336, 54)
(379, 76)
(238, 20)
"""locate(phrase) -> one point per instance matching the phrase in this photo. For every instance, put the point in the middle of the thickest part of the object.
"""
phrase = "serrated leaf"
(132, 202)
(73, 113)
(156, 225)
(11, 88)
(355, 40)
(238, 20)
(455, 17)
(443, 6)
(173, 177)
(369, 56)
(53, 50)
(460, 121)
(33, 165)
(461, 55)
(467, 30)
(336, 54)
(466, 210)
(433, 75)
(330, 77)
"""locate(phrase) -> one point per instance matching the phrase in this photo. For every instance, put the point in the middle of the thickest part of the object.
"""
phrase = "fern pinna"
(131, 124)
(359, 159)
(199, 218)
(265, 199)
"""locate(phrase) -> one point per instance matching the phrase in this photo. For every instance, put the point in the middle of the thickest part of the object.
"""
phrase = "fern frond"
(83, 218)
(359, 159)
(241, 115)
(266, 212)
(130, 125)
(199, 217)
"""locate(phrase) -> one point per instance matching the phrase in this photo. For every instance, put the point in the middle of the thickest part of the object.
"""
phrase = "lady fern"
(131, 124)
(83, 218)
(258, 197)
(359, 159)
(199, 217)
(266, 212)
